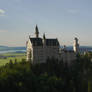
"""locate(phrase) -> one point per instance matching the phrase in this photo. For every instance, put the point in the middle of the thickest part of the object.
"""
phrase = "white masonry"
(40, 49)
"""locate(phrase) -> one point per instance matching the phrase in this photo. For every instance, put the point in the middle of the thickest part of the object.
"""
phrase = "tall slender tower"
(44, 40)
(36, 32)
(76, 45)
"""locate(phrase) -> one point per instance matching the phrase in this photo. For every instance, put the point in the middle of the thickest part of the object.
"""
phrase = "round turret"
(76, 45)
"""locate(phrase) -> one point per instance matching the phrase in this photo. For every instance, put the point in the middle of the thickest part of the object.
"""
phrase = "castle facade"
(40, 49)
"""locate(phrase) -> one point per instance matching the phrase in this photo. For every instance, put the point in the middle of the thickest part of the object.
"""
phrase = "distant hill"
(6, 48)
(82, 48)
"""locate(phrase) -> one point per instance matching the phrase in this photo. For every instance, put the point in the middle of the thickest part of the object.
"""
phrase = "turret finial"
(36, 31)
(44, 37)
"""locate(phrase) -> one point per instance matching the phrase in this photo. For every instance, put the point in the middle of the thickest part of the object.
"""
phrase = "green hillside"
(5, 58)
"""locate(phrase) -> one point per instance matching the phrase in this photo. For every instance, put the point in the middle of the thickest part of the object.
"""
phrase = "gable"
(52, 42)
(36, 41)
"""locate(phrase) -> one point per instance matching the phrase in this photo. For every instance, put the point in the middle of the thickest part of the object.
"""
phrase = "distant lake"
(5, 49)
(15, 51)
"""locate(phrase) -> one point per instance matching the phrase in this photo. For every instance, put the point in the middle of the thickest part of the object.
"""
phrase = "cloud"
(2, 12)
(73, 11)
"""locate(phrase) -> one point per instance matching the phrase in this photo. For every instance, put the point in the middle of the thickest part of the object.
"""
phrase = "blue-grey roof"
(36, 41)
(52, 42)
(39, 42)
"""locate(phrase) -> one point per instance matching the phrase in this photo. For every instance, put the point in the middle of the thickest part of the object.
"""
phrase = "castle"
(40, 49)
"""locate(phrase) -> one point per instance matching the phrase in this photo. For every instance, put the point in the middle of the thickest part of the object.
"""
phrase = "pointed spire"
(36, 31)
(44, 36)
(44, 40)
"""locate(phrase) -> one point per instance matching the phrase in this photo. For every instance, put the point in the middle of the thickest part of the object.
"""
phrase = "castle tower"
(36, 32)
(76, 45)
(44, 39)
(44, 36)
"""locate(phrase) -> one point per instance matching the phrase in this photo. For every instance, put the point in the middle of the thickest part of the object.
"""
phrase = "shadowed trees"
(54, 75)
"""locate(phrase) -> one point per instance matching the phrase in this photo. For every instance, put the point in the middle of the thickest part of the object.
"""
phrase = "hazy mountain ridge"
(82, 48)
(6, 48)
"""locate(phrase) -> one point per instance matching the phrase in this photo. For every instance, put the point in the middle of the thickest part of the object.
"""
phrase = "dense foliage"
(52, 76)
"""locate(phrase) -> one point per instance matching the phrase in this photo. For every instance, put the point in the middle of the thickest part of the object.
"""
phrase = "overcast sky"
(62, 19)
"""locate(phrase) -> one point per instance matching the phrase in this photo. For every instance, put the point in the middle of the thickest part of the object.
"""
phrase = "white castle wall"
(39, 54)
(29, 51)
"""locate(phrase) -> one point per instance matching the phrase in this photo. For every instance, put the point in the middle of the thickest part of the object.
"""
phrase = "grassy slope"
(12, 56)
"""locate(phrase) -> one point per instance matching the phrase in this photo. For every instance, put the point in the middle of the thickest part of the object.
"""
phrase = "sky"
(62, 19)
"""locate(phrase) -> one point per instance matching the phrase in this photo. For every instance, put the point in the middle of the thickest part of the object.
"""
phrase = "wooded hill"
(52, 76)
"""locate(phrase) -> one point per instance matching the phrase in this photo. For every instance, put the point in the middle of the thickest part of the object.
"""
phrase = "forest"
(52, 76)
